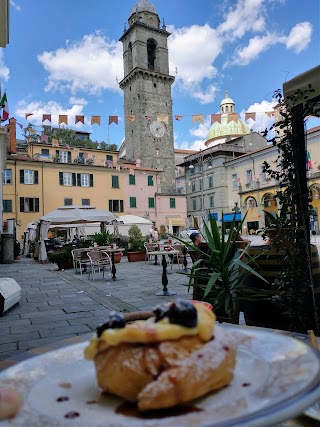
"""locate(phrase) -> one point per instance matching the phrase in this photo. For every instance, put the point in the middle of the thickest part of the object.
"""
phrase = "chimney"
(12, 136)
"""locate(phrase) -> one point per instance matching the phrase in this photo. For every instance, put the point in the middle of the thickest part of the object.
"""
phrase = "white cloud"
(90, 65)
(248, 15)
(299, 37)
(263, 121)
(78, 101)
(205, 96)
(256, 45)
(38, 108)
(4, 70)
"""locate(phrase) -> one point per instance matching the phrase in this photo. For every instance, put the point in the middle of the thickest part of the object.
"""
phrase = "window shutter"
(74, 179)
(110, 206)
(79, 179)
(36, 177)
(121, 206)
(91, 180)
(69, 156)
(61, 178)
(36, 204)
(58, 153)
(21, 203)
(21, 178)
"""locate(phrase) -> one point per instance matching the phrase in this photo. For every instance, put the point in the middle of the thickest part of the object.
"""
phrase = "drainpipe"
(42, 190)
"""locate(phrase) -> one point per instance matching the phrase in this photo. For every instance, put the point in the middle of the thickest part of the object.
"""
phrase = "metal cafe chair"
(98, 260)
(149, 247)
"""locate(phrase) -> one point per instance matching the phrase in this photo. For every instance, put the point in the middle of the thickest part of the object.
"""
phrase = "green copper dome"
(233, 128)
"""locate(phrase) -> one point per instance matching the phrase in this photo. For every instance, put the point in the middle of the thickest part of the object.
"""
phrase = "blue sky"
(64, 57)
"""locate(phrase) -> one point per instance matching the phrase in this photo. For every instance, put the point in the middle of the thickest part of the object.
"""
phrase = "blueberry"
(115, 321)
(161, 311)
(183, 313)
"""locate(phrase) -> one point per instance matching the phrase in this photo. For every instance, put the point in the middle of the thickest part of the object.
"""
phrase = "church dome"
(230, 127)
(143, 6)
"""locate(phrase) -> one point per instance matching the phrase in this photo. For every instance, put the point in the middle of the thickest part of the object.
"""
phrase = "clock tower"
(147, 93)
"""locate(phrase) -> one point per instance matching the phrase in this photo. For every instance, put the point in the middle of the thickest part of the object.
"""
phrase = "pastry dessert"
(172, 358)
(10, 403)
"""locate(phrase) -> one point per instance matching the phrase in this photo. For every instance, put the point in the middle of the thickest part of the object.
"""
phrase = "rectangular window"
(172, 202)
(28, 176)
(67, 179)
(115, 181)
(249, 176)
(234, 181)
(45, 152)
(263, 174)
(201, 183)
(29, 204)
(68, 202)
(132, 180)
(151, 202)
(109, 158)
(192, 169)
(85, 202)
(194, 204)
(116, 205)
(211, 181)
(150, 180)
(133, 202)
(211, 201)
(63, 156)
(193, 186)
(7, 176)
(84, 180)
(7, 205)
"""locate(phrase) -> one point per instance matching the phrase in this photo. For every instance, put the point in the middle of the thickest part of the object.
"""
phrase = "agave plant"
(221, 267)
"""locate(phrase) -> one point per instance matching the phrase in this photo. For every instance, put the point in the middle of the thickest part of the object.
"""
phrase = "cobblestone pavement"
(56, 305)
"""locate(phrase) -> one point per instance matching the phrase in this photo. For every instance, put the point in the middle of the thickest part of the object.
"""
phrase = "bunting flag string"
(214, 118)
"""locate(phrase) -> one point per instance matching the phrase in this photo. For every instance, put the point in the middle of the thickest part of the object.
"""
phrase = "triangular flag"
(270, 113)
(63, 119)
(113, 119)
(19, 124)
(5, 107)
(46, 117)
(95, 120)
(215, 118)
(163, 118)
(233, 117)
(79, 119)
(248, 116)
(177, 117)
(27, 115)
(131, 118)
(55, 143)
(198, 118)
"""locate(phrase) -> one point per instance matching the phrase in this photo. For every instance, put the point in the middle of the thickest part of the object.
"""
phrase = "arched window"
(151, 48)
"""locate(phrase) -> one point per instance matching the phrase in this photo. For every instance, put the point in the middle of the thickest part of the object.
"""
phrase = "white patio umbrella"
(78, 215)
(133, 219)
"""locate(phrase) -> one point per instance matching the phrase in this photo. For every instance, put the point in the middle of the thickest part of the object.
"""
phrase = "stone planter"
(136, 256)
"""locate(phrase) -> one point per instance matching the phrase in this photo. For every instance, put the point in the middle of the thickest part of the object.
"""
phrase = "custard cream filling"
(148, 331)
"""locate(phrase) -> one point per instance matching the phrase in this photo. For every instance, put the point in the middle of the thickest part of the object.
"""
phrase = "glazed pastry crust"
(169, 373)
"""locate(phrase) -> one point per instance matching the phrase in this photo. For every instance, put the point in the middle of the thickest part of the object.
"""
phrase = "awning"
(176, 221)
(229, 217)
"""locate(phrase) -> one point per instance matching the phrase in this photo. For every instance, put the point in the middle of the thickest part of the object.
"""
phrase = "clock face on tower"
(157, 129)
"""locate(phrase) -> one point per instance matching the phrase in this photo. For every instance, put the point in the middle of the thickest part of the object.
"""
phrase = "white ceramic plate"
(276, 378)
(314, 411)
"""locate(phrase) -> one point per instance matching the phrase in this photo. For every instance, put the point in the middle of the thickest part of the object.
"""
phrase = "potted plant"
(104, 238)
(278, 224)
(63, 258)
(136, 249)
(31, 249)
(219, 269)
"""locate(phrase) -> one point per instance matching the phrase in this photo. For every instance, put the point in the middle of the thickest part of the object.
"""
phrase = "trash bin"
(7, 248)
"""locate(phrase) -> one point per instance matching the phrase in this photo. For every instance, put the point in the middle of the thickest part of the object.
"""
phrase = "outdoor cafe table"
(164, 253)
(111, 251)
